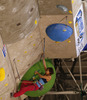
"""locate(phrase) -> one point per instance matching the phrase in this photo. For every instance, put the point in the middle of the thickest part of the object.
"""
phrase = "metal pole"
(85, 87)
(84, 51)
(71, 75)
(42, 97)
(63, 93)
(63, 90)
(80, 72)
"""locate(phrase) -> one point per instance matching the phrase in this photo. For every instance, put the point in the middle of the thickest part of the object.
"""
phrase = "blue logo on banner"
(4, 50)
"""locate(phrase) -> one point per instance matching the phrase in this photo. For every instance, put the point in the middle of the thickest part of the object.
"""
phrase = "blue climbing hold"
(59, 32)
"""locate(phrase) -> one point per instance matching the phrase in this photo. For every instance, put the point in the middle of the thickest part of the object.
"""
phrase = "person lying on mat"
(33, 86)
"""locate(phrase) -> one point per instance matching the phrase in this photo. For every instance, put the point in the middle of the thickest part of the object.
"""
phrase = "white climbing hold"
(2, 8)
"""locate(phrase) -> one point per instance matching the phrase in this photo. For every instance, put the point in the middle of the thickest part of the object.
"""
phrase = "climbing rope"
(17, 70)
(63, 19)
(81, 77)
(44, 48)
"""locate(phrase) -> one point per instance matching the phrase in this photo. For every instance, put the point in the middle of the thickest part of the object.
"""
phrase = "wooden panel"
(62, 49)
(48, 7)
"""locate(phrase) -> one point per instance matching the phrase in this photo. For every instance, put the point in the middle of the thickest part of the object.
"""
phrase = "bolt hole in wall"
(31, 9)
(18, 24)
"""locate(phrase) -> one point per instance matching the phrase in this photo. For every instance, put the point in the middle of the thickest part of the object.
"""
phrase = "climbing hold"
(30, 36)
(70, 11)
(70, 22)
(18, 60)
(72, 1)
(1, 98)
(57, 42)
(2, 8)
(25, 52)
(34, 44)
(62, 7)
(56, 33)
(2, 74)
(14, 10)
(6, 84)
(34, 78)
(35, 21)
(64, 30)
(69, 41)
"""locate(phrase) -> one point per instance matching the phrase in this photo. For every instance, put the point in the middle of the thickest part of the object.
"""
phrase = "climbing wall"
(17, 19)
(59, 11)
(7, 83)
(25, 52)
(22, 44)
(23, 37)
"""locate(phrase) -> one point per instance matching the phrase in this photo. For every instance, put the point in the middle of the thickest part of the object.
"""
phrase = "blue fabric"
(59, 32)
(38, 84)
(85, 48)
(45, 81)
(41, 81)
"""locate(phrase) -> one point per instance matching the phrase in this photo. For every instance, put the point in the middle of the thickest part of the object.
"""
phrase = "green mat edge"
(40, 92)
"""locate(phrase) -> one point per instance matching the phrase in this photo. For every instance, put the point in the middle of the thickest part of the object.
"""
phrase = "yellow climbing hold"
(30, 36)
(69, 41)
(6, 84)
(64, 30)
(1, 98)
(34, 44)
(72, 1)
(35, 21)
(25, 52)
(70, 22)
(57, 42)
(18, 60)
(2, 74)
(70, 11)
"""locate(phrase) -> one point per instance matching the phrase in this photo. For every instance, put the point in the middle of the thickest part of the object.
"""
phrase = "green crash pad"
(30, 73)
